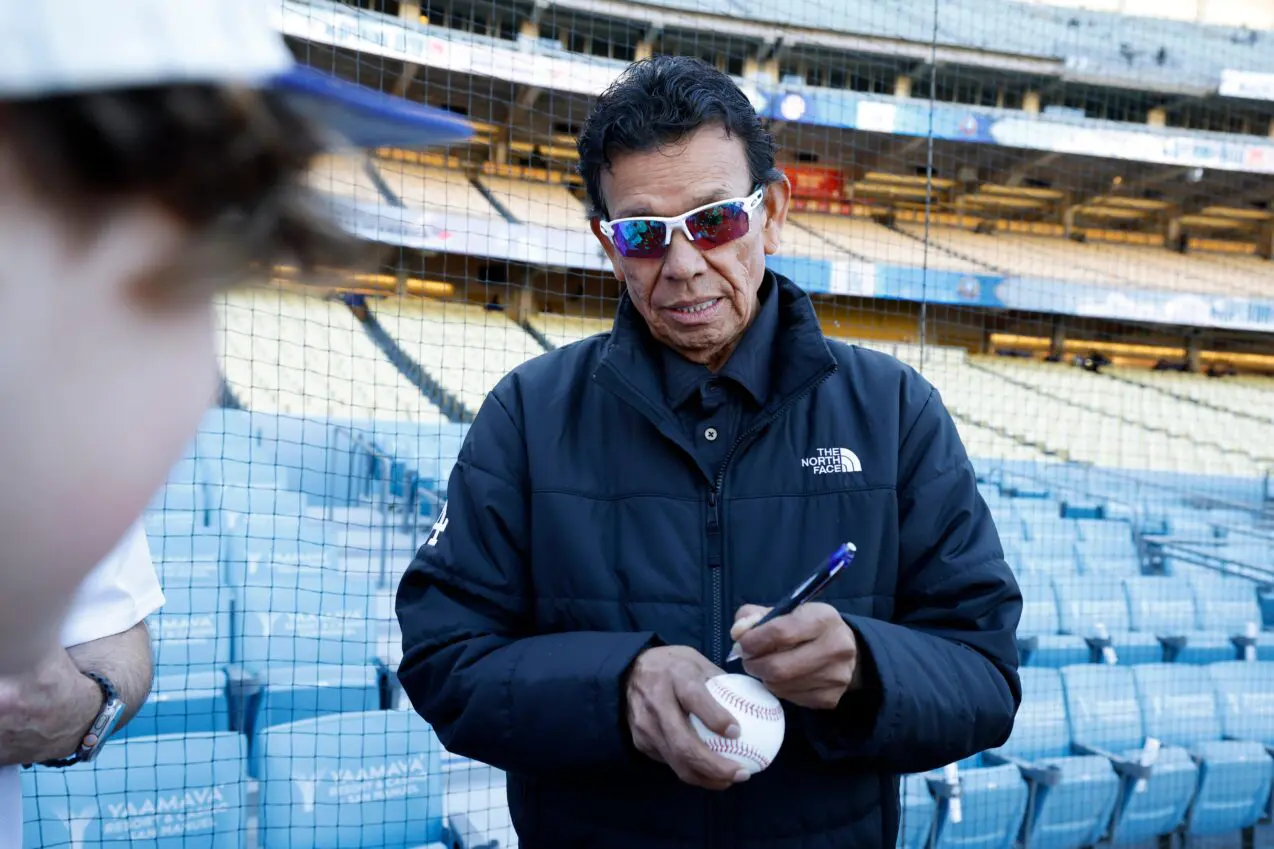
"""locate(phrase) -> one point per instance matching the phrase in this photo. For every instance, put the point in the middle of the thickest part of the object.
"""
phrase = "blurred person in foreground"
(151, 154)
(620, 503)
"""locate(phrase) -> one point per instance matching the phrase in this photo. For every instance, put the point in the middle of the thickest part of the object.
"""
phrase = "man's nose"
(683, 259)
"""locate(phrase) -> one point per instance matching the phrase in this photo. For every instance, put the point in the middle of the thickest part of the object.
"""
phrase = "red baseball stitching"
(752, 709)
(726, 746)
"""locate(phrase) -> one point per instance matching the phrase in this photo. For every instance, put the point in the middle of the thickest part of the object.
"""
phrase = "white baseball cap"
(56, 47)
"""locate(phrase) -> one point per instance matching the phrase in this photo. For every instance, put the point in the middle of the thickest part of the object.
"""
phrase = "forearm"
(126, 661)
(44, 716)
(512, 704)
(930, 701)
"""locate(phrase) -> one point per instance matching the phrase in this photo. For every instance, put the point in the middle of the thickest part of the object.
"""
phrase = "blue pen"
(808, 589)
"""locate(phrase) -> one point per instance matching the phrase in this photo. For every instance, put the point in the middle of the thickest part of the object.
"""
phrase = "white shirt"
(121, 591)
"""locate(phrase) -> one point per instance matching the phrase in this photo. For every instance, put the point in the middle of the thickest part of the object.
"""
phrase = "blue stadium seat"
(1106, 719)
(182, 703)
(171, 792)
(189, 497)
(1245, 700)
(1102, 530)
(1231, 606)
(1090, 605)
(359, 779)
(916, 814)
(187, 553)
(176, 524)
(218, 443)
(1039, 640)
(270, 500)
(306, 650)
(247, 473)
(193, 631)
(1048, 557)
(288, 544)
(1072, 795)
(1050, 528)
(323, 619)
(1033, 510)
(1178, 706)
(1114, 555)
(1165, 607)
(187, 470)
(289, 694)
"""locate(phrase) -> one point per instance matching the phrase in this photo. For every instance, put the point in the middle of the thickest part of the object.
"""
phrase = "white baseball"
(760, 718)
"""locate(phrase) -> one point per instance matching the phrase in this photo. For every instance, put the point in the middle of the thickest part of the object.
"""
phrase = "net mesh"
(1059, 216)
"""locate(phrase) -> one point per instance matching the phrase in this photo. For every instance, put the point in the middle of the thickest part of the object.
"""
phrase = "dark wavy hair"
(228, 163)
(659, 101)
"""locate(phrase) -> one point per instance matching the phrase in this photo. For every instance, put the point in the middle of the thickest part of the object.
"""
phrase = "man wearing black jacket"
(620, 503)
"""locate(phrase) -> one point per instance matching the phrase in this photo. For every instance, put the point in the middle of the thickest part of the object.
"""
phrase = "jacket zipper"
(716, 559)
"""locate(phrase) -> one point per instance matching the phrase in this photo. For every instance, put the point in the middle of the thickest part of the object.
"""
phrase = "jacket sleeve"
(473, 666)
(939, 680)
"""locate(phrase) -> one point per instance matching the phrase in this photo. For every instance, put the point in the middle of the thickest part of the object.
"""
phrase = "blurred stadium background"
(1062, 214)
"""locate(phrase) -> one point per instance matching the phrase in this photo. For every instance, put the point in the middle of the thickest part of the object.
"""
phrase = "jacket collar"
(631, 366)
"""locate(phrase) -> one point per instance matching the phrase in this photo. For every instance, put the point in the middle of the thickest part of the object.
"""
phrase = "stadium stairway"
(451, 406)
(226, 399)
(536, 334)
(496, 204)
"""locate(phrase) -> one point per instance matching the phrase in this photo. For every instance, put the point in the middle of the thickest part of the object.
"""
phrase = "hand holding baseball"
(665, 686)
(808, 657)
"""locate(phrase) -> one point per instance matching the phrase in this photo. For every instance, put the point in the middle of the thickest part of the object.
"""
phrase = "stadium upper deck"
(526, 120)
(1089, 44)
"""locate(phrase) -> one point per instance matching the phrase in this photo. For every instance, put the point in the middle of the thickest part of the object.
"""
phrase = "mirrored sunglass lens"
(719, 224)
(640, 238)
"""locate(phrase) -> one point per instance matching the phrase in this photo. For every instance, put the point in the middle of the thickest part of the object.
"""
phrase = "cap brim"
(366, 118)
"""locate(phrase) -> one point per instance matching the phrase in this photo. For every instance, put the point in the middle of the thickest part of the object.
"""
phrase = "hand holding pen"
(802, 650)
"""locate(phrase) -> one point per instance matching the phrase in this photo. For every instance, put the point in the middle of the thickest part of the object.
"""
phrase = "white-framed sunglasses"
(711, 225)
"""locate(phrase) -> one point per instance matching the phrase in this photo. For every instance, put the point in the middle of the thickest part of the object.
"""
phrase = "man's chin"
(700, 345)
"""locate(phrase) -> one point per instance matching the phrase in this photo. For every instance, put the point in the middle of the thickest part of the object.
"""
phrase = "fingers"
(815, 673)
(784, 633)
(687, 754)
(692, 761)
(695, 698)
(795, 666)
(745, 617)
(668, 685)
(777, 635)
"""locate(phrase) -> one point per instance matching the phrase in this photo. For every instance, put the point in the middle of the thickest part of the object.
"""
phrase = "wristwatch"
(103, 726)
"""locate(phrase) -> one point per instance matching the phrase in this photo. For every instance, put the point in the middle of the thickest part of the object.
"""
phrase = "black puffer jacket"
(580, 529)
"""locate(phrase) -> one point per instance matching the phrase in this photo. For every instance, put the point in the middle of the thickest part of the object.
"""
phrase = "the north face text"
(831, 461)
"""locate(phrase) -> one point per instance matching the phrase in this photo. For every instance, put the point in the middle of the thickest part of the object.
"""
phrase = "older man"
(618, 503)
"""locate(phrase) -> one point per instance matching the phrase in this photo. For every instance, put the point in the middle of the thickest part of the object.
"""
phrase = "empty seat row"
(1114, 557)
(263, 653)
(1108, 753)
(259, 496)
(241, 549)
(357, 779)
(1140, 620)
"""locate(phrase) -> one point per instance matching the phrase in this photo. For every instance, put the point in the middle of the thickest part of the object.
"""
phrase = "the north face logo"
(831, 461)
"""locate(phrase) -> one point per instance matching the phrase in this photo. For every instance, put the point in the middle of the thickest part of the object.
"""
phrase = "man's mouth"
(696, 308)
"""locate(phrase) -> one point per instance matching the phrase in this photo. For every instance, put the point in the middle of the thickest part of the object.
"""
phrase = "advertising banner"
(815, 182)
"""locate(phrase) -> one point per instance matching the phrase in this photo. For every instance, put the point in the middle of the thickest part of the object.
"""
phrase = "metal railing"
(379, 466)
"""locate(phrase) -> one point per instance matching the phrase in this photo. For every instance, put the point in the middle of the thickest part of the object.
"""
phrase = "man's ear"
(609, 247)
(778, 197)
